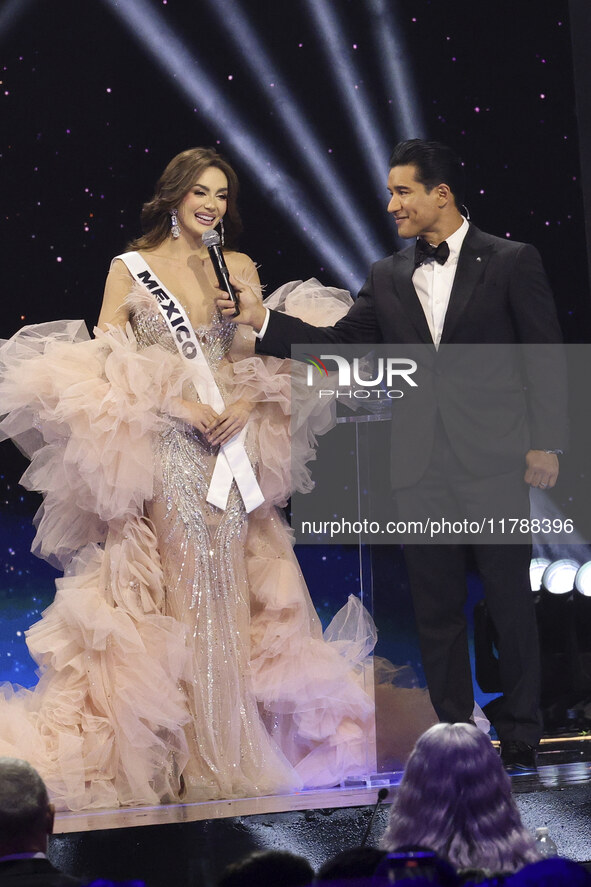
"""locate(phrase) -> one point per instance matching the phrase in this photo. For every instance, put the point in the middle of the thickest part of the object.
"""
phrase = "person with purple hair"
(455, 798)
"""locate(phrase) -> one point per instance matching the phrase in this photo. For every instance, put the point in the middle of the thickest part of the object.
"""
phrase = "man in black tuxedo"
(458, 285)
(26, 821)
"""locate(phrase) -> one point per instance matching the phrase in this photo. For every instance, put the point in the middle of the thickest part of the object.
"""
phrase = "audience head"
(355, 863)
(268, 867)
(551, 873)
(26, 816)
(455, 798)
(415, 864)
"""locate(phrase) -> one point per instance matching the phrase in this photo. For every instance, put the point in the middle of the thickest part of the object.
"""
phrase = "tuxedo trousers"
(438, 582)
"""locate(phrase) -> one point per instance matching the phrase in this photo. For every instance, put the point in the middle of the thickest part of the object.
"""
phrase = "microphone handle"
(382, 795)
(223, 275)
(370, 823)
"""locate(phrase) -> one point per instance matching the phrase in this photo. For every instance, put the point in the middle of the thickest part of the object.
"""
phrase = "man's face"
(416, 210)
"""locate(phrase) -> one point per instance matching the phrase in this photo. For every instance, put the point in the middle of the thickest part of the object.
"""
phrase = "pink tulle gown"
(182, 657)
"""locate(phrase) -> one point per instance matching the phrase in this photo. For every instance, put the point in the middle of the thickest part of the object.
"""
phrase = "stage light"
(536, 571)
(553, 583)
(554, 611)
(168, 50)
(364, 123)
(396, 70)
(559, 577)
(582, 633)
(583, 579)
(364, 240)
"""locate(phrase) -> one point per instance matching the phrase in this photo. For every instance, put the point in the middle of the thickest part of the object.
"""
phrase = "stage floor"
(564, 761)
(165, 814)
(192, 843)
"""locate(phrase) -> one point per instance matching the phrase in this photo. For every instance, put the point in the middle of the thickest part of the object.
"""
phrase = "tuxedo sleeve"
(359, 325)
(544, 363)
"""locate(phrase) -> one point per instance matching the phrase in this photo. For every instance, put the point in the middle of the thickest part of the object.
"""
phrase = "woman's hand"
(230, 423)
(200, 415)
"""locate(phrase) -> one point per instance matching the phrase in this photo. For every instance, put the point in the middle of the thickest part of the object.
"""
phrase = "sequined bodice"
(150, 328)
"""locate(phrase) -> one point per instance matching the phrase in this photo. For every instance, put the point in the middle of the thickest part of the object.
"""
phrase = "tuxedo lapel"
(402, 271)
(473, 259)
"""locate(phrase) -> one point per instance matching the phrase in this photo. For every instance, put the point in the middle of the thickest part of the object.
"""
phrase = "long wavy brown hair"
(176, 181)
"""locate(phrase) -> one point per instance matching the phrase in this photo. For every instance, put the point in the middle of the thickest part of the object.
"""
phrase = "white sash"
(232, 460)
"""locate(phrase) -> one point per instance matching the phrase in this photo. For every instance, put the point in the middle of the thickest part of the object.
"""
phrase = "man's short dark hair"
(23, 799)
(356, 862)
(435, 164)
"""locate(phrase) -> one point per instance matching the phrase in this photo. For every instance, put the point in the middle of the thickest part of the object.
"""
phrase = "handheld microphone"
(382, 795)
(211, 239)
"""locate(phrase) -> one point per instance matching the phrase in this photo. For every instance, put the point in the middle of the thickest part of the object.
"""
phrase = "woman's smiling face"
(205, 203)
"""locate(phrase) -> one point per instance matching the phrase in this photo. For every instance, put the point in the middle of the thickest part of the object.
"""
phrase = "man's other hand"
(542, 469)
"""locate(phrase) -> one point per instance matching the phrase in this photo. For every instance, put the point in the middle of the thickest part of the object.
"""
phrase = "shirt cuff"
(263, 329)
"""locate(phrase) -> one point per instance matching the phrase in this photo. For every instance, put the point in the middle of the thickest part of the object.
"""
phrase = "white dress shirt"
(263, 328)
(433, 283)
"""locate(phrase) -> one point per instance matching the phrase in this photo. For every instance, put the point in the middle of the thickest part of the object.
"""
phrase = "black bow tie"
(424, 252)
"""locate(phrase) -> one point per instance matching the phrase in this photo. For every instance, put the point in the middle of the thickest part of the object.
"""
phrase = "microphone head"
(211, 238)
(383, 794)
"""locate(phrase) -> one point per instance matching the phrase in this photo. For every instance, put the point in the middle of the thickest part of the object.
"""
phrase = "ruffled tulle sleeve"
(84, 410)
(310, 301)
(287, 419)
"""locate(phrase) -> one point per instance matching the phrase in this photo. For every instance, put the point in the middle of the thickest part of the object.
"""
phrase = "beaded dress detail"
(207, 590)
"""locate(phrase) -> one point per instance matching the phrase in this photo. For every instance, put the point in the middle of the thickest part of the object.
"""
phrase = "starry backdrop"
(94, 104)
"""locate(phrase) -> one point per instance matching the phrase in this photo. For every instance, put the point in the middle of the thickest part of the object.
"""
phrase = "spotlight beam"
(364, 122)
(286, 110)
(191, 78)
(10, 12)
(395, 68)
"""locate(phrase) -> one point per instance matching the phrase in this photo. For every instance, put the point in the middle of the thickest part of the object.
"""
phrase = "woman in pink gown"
(182, 657)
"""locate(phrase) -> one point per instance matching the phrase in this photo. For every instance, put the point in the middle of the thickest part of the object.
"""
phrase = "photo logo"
(363, 378)
(314, 361)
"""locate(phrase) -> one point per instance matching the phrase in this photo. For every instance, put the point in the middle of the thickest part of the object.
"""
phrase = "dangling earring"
(174, 224)
(222, 239)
